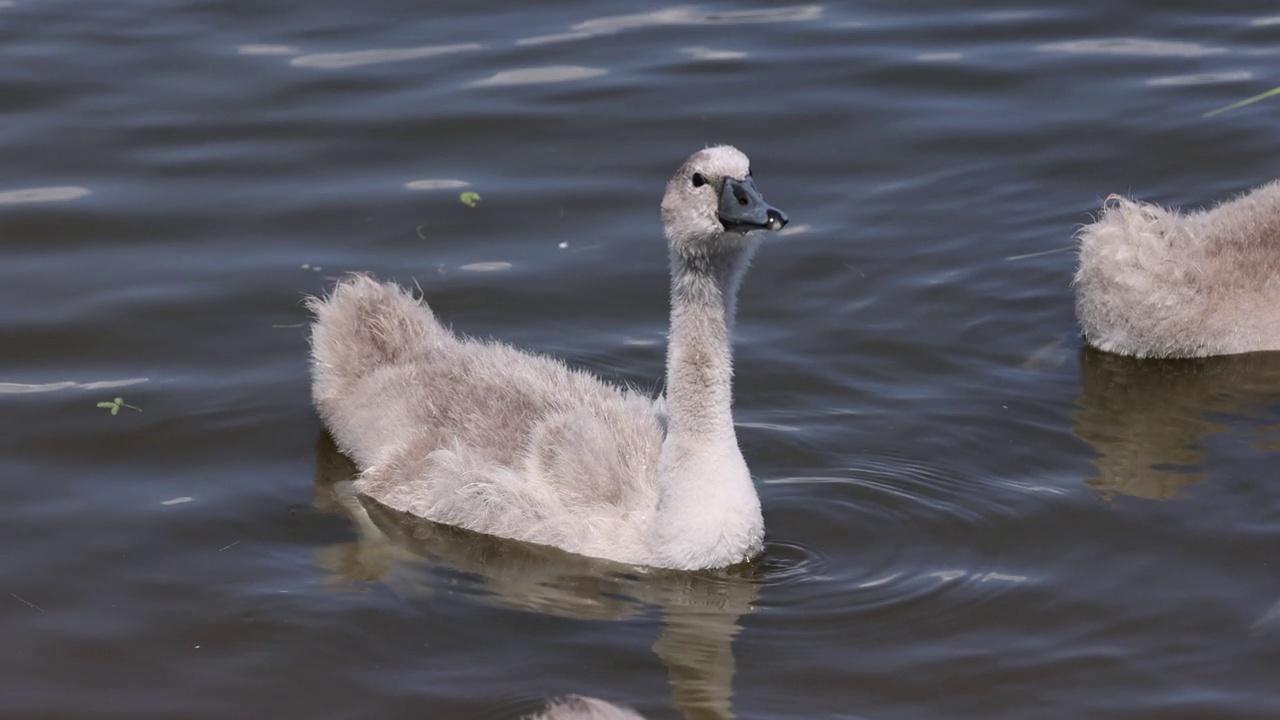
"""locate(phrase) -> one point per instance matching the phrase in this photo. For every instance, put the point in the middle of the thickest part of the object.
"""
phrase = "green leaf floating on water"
(115, 405)
(469, 198)
(1242, 103)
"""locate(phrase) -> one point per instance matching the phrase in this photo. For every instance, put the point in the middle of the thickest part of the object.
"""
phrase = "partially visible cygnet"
(576, 707)
(1154, 282)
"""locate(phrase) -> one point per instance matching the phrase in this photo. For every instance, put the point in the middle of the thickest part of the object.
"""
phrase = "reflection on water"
(267, 50)
(676, 16)
(1201, 78)
(1148, 419)
(7, 388)
(329, 61)
(436, 184)
(1140, 47)
(706, 53)
(42, 194)
(540, 75)
(416, 557)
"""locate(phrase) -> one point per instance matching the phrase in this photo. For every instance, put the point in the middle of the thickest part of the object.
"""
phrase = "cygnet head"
(712, 203)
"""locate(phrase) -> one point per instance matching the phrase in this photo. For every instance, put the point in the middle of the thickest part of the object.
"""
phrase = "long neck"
(699, 351)
(708, 513)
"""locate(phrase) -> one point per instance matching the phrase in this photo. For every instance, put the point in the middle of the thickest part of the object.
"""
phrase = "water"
(968, 516)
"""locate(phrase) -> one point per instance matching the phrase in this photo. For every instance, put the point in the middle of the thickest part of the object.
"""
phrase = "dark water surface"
(968, 516)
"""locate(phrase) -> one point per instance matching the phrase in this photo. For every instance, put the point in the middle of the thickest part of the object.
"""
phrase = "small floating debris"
(177, 500)
(44, 194)
(564, 245)
(486, 267)
(20, 599)
(469, 198)
(309, 266)
(540, 75)
(939, 57)
(1242, 103)
(436, 184)
(116, 404)
(1041, 253)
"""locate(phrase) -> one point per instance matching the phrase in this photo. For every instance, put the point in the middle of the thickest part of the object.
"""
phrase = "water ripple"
(1139, 47)
(13, 388)
(486, 266)
(266, 50)
(1208, 78)
(540, 75)
(706, 53)
(676, 16)
(899, 514)
(357, 58)
(436, 184)
(43, 194)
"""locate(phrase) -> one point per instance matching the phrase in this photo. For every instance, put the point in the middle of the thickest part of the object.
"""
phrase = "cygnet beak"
(743, 209)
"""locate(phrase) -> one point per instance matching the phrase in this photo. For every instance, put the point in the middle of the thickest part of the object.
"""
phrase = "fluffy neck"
(708, 513)
(704, 291)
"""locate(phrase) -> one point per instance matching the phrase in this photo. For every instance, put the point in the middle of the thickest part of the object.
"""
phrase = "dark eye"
(698, 180)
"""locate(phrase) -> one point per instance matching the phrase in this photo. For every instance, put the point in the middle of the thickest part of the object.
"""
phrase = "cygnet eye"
(698, 180)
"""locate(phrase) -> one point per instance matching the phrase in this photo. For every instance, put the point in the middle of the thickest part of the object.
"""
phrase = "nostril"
(742, 201)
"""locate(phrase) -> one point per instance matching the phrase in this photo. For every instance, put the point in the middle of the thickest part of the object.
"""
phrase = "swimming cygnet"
(1154, 282)
(480, 435)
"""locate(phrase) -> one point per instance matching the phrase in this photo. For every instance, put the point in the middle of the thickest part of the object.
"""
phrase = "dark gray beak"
(743, 209)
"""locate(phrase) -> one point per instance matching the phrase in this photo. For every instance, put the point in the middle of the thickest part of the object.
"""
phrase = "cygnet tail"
(364, 325)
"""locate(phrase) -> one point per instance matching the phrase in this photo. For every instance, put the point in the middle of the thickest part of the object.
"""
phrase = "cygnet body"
(1154, 282)
(483, 436)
